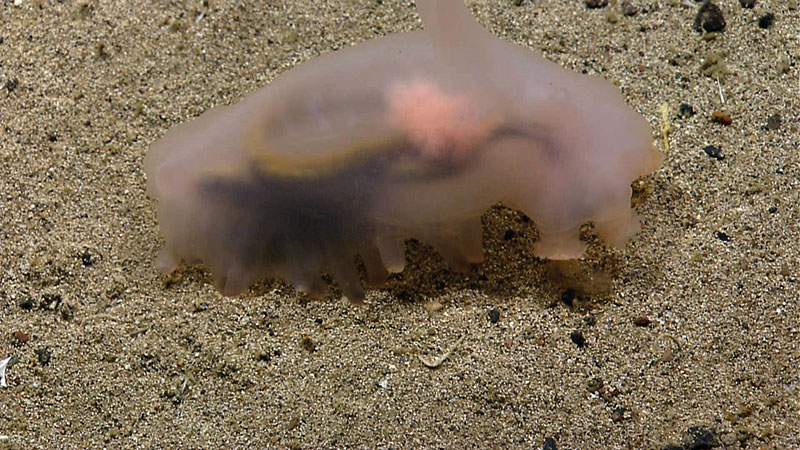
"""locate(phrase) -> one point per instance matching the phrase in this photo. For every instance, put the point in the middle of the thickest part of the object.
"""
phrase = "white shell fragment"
(3, 365)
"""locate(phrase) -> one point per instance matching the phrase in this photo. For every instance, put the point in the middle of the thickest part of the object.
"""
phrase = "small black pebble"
(509, 235)
(699, 438)
(549, 444)
(774, 122)
(714, 152)
(318, 320)
(641, 321)
(27, 304)
(12, 84)
(264, 357)
(685, 110)
(747, 3)
(766, 20)
(44, 356)
(86, 258)
(722, 236)
(709, 18)
(494, 316)
(596, 3)
(577, 338)
(773, 209)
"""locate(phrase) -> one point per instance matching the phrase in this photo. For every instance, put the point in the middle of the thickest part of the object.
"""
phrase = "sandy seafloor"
(111, 354)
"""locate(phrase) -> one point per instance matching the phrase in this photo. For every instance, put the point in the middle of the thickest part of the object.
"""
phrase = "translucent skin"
(411, 135)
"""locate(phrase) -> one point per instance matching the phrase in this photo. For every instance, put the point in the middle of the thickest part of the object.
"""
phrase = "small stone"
(594, 385)
(721, 118)
(749, 4)
(44, 356)
(12, 84)
(67, 309)
(722, 236)
(618, 415)
(86, 258)
(641, 321)
(783, 65)
(578, 338)
(773, 122)
(494, 316)
(685, 110)
(714, 151)
(293, 423)
(308, 344)
(433, 307)
(27, 304)
(766, 20)
(549, 444)
(101, 50)
(20, 336)
(709, 18)
(628, 8)
(593, 4)
(700, 438)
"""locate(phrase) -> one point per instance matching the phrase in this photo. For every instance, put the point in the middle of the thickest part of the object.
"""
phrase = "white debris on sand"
(3, 365)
